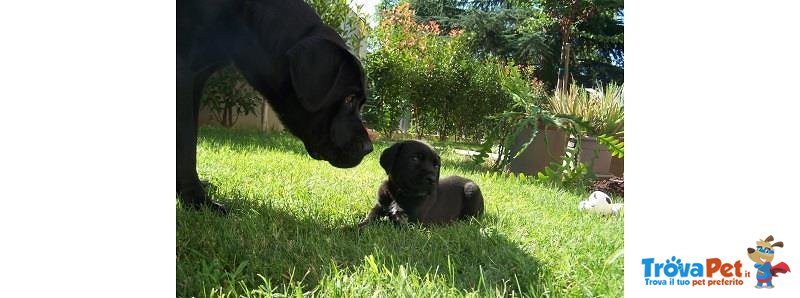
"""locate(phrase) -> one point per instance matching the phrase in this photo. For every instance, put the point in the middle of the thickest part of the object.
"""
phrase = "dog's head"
(764, 251)
(330, 86)
(412, 165)
(316, 86)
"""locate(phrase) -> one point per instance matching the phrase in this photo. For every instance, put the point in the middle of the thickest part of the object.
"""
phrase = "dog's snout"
(366, 147)
(750, 250)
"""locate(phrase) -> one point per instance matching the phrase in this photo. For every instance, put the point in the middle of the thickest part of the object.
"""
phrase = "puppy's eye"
(415, 158)
(349, 99)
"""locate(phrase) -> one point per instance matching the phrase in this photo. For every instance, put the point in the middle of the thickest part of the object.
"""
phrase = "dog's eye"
(415, 158)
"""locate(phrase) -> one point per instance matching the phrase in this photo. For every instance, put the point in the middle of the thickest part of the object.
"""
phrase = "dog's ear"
(769, 238)
(389, 155)
(322, 71)
(778, 244)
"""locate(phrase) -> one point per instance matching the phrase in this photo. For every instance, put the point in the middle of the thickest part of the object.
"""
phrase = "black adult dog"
(303, 68)
(414, 193)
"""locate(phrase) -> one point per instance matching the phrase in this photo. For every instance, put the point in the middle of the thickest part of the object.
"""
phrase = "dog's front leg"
(188, 185)
(381, 207)
(376, 212)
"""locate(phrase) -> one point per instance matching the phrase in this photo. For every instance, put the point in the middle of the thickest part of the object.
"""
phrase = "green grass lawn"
(287, 232)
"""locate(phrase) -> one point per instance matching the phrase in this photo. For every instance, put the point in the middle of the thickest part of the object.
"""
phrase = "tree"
(341, 17)
(561, 39)
(578, 22)
(227, 95)
(599, 47)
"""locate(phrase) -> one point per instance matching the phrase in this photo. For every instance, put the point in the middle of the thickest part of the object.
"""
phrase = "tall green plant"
(531, 111)
(569, 171)
(346, 20)
(603, 107)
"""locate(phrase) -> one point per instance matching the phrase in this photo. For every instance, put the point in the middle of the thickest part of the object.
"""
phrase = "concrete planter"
(539, 153)
(599, 159)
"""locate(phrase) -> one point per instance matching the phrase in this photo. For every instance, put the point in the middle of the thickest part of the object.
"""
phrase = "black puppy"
(414, 193)
(302, 66)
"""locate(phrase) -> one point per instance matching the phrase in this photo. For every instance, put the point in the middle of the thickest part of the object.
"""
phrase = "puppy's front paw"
(398, 215)
(400, 218)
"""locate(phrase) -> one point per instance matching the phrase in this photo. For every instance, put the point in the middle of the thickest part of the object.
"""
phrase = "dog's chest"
(414, 207)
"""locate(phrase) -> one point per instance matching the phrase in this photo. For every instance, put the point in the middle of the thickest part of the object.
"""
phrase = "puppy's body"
(414, 193)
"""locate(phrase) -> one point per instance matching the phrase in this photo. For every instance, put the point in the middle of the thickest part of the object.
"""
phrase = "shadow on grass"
(259, 239)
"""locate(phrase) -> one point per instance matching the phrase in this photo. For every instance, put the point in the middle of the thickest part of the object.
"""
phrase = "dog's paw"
(470, 189)
(397, 214)
(400, 218)
(197, 199)
(212, 205)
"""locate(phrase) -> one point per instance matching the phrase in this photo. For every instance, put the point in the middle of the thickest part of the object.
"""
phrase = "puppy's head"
(765, 251)
(412, 165)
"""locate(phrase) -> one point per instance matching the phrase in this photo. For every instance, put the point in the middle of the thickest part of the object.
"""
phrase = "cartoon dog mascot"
(763, 255)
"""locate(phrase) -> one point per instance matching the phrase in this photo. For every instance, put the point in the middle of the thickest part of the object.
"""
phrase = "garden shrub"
(432, 77)
(227, 95)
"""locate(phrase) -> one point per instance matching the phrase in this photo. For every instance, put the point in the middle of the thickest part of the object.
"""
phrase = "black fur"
(414, 193)
(302, 66)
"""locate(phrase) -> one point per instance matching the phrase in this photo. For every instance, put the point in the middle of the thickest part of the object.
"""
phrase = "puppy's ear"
(322, 71)
(389, 155)
(778, 244)
(769, 238)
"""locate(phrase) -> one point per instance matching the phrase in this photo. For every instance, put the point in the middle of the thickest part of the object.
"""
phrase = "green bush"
(432, 77)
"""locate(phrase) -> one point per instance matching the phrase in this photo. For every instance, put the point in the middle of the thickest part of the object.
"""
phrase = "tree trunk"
(227, 119)
(566, 65)
(563, 81)
(415, 117)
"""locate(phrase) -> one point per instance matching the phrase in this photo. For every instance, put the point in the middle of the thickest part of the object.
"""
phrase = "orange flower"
(456, 32)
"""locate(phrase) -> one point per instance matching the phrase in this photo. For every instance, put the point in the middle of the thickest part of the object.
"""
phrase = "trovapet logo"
(676, 272)
(716, 272)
